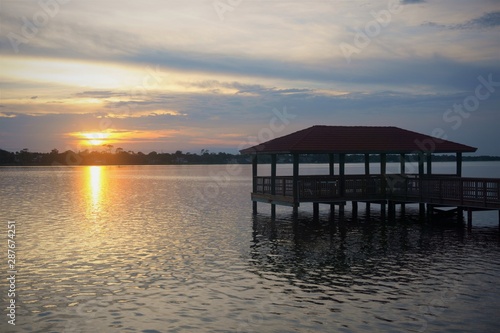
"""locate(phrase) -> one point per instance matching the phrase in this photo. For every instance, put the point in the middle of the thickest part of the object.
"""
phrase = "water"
(176, 249)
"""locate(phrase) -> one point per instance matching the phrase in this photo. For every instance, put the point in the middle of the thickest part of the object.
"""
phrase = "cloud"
(411, 2)
(99, 94)
(486, 21)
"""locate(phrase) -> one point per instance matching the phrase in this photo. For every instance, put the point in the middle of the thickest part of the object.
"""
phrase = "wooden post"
(342, 174)
(254, 181)
(315, 211)
(429, 163)
(391, 210)
(295, 184)
(469, 218)
(383, 171)
(331, 158)
(459, 164)
(420, 164)
(354, 209)
(367, 209)
(367, 164)
(402, 164)
(273, 183)
(332, 212)
(382, 211)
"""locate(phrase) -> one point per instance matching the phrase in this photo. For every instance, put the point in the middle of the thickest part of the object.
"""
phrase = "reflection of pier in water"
(337, 254)
(429, 190)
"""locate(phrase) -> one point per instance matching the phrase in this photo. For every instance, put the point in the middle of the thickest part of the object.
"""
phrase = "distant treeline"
(121, 157)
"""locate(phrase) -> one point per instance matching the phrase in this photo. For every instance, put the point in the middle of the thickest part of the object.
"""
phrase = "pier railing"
(435, 189)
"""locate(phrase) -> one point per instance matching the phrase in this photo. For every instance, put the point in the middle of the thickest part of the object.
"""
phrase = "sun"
(95, 138)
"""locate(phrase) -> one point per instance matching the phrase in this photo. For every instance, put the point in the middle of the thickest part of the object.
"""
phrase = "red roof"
(356, 140)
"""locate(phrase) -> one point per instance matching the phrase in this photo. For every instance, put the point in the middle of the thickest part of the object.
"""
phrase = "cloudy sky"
(219, 74)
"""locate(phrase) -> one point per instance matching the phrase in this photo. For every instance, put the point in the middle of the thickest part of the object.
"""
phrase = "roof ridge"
(307, 132)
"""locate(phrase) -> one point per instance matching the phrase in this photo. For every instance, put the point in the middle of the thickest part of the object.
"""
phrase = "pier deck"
(443, 190)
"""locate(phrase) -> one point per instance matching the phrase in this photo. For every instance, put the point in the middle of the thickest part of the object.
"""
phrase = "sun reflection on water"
(95, 187)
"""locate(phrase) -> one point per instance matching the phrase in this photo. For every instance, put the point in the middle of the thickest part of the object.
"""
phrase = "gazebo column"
(429, 163)
(273, 183)
(402, 171)
(460, 210)
(420, 186)
(383, 183)
(459, 164)
(254, 181)
(341, 180)
(331, 167)
(429, 173)
(295, 184)
(367, 174)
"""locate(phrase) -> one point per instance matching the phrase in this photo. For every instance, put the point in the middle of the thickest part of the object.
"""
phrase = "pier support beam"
(273, 183)
(382, 210)
(392, 210)
(354, 209)
(254, 207)
(469, 218)
(315, 211)
(421, 210)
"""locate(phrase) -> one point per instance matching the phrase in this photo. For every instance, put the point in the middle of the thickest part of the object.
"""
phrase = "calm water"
(176, 249)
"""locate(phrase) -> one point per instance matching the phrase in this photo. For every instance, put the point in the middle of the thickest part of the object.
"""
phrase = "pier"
(431, 191)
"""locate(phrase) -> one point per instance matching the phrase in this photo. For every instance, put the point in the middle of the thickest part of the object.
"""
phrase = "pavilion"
(420, 186)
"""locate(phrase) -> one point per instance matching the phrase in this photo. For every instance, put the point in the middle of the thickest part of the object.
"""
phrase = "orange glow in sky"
(95, 138)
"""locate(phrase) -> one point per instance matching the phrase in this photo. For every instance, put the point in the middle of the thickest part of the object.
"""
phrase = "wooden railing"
(436, 189)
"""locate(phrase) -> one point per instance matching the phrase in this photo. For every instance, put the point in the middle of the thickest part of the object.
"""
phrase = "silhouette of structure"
(420, 185)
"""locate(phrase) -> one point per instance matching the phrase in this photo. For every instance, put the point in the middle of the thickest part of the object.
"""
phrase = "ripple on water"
(142, 252)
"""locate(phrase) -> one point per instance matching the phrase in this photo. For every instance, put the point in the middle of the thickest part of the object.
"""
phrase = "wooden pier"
(425, 188)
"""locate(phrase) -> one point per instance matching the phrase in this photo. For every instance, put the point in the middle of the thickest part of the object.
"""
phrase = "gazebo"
(421, 187)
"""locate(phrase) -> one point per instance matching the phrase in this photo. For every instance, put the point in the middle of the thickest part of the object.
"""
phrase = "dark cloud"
(486, 21)
(410, 2)
(100, 94)
(33, 97)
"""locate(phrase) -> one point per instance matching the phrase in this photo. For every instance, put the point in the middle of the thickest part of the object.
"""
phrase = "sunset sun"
(95, 138)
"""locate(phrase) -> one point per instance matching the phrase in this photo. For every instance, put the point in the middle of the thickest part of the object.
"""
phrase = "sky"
(226, 74)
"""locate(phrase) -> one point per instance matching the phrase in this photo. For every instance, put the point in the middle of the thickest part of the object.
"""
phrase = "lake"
(177, 249)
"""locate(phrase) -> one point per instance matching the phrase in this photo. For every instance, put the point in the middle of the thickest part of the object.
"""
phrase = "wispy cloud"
(486, 21)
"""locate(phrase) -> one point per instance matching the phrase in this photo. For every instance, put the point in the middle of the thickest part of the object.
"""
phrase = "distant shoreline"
(120, 157)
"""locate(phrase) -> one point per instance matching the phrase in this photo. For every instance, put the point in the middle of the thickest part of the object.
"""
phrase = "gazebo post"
(429, 173)
(273, 183)
(367, 174)
(459, 164)
(460, 210)
(342, 174)
(420, 177)
(402, 171)
(254, 179)
(383, 183)
(331, 166)
(341, 183)
(296, 158)
(429, 163)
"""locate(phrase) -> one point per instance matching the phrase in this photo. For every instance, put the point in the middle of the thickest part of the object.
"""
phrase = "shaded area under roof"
(356, 140)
